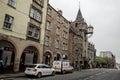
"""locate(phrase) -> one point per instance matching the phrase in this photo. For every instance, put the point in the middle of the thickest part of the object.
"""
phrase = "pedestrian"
(78, 67)
(1, 66)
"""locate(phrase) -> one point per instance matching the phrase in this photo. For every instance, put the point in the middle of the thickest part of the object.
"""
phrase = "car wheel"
(26, 75)
(39, 75)
(63, 72)
(53, 73)
(72, 71)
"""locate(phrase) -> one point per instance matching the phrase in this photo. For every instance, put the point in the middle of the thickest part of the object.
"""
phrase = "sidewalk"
(11, 75)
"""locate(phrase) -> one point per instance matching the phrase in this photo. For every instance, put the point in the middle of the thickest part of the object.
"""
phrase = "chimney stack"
(60, 12)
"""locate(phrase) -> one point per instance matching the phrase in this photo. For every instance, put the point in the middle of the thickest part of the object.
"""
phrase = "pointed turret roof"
(79, 17)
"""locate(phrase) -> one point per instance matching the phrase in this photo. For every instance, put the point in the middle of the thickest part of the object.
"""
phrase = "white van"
(62, 66)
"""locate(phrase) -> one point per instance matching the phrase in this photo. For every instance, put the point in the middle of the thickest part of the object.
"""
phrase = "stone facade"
(56, 36)
(77, 41)
(91, 55)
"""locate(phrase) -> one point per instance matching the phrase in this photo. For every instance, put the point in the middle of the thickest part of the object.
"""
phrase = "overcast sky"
(103, 15)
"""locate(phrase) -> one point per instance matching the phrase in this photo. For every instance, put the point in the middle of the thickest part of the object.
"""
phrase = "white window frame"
(47, 40)
(58, 18)
(8, 22)
(34, 30)
(56, 43)
(30, 29)
(58, 30)
(49, 11)
(35, 14)
(48, 23)
(12, 3)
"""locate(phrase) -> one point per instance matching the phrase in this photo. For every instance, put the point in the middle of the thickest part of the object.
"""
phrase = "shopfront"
(47, 58)
(28, 57)
(7, 54)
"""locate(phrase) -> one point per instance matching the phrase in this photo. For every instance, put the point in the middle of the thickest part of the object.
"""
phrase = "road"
(92, 74)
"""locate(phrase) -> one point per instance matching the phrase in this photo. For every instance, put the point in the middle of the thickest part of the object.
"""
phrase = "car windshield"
(31, 66)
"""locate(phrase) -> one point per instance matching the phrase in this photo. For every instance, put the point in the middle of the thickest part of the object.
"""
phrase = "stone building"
(22, 30)
(110, 58)
(56, 36)
(77, 41)
(91, 55)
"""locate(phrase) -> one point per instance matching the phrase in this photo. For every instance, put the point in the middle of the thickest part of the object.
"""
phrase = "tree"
(101, 61)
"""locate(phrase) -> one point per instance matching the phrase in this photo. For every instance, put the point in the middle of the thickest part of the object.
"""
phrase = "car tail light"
(34, 69)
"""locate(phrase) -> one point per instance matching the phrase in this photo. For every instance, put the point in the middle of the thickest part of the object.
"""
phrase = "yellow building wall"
(21, 17)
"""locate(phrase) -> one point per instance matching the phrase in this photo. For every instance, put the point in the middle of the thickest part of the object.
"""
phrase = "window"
(33, 32)
(30, 30)
(39, 2)
(8, 21)
(49, 11)
(58, 18)
(36, 33)
(65, 23)
(76, 24)
(63, 47)
(56, 43)
(57, 30)
(47, 40)
(35, 14)
(65, 34)
(66, 47)
(48, 25)
(12, 3)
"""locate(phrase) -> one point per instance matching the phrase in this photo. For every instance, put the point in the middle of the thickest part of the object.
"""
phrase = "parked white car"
(39, 70)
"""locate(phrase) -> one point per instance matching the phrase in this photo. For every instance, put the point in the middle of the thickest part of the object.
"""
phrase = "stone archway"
(29, 56)
(7, 54)
(47, 58)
